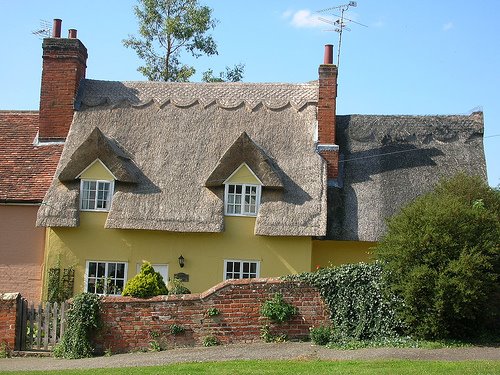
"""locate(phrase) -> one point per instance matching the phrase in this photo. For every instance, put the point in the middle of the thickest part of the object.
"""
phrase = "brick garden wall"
(131, 323)
(8, 313)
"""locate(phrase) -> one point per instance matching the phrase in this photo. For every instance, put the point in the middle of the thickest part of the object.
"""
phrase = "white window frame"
(109, 197)
(105, 278)
(241, 265)
(243, 211)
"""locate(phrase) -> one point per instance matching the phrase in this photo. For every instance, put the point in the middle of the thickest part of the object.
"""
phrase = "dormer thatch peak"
(245, 150)
(98, 146)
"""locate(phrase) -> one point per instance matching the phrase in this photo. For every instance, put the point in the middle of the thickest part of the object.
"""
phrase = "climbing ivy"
(361, 306)
(83, 320)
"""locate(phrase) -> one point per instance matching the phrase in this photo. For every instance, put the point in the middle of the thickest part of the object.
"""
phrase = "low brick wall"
(131, 324)
(8, 314)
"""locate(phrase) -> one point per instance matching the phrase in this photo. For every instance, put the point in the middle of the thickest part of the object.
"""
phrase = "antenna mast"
(44, 31)
(339, 24)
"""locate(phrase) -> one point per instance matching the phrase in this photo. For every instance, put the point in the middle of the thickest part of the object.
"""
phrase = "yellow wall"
(243, 175)
(334, 253)
(204, 253)
(97, 171)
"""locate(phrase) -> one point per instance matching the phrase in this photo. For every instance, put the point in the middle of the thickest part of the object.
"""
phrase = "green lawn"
(304, 367)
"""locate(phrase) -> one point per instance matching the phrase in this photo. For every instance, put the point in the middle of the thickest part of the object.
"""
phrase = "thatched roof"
(97, 146)
(390, 160)
(173, 144)
(244, 150)
(180, 136)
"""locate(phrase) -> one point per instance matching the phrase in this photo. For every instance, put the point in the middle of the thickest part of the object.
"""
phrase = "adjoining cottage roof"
(387, 161)
(26, 170)
(176, 135)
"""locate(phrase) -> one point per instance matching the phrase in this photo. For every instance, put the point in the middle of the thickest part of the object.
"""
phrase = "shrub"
(267, 336)
(277, 309)
(83, 320)
(147, 283)
(210, 341)
(213, 311)
(320, 335)
(177, 287)
(441, 255)
(356, 296)
(176, 329)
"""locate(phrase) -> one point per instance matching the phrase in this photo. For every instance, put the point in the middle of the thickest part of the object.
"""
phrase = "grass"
(303, 367)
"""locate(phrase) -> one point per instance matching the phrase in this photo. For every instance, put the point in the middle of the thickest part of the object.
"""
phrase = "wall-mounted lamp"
(181, 261)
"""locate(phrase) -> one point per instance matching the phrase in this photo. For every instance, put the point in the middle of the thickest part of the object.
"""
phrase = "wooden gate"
(40, 327)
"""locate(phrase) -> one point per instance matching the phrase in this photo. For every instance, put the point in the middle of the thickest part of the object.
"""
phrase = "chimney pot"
(72, 33)
(56, 28)
(328, 59)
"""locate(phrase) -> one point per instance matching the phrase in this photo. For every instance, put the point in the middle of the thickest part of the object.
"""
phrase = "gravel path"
(288, 350)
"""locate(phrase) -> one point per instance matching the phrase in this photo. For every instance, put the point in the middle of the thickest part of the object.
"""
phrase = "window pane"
(101, 269)
(231, 189)
(92, 268)
(238, 189)
(119, 287)
(100, 286)
(111, 269)
(91, 286)
(246, 267)
(120, 270)
(237, 266)
(253, 268)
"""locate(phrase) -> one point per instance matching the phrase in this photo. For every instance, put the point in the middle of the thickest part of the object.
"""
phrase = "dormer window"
(242, 199)
(95, 195)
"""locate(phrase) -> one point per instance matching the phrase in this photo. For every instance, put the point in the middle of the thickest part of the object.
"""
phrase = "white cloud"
(303, 18)
(448, 26)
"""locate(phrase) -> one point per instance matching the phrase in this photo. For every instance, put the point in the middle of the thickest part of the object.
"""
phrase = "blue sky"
(415, 57)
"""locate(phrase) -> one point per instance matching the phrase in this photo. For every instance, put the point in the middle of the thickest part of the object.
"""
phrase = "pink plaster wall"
(21, 251)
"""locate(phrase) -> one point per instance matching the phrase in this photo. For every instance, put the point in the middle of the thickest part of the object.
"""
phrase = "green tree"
(441, 255)
(168, 28)
(234, 74)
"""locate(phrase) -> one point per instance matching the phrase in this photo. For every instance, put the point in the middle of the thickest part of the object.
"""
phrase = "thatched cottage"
(211, 181)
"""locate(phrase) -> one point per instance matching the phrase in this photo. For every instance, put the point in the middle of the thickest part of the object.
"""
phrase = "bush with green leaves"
(210, 341)
(321, 335)
(277, 309)
(177, 287)
(356, 296)
(147, 283)
(441, 255)
(82, 321)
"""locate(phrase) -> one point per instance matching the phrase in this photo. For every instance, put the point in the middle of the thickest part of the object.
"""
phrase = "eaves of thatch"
(387, 161)
(173, 137)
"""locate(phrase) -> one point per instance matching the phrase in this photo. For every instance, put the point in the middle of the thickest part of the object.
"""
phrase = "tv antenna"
(340, 24)
(44, 31)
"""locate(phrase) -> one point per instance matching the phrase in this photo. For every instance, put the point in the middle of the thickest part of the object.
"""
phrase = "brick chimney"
(327, 102)
(64, 64)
